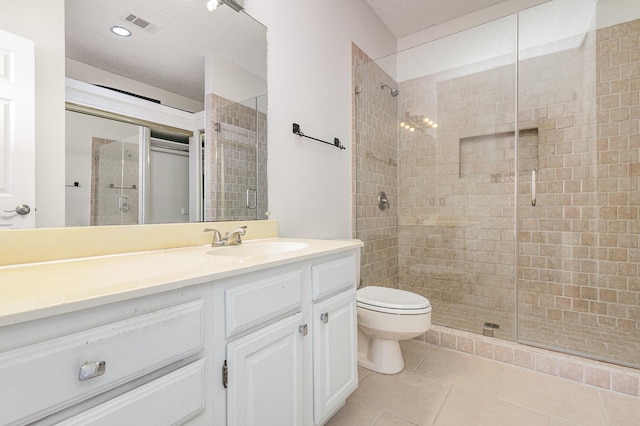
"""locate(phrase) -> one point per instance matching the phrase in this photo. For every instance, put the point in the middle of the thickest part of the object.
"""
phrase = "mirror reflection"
(208, 69)
(119, 173)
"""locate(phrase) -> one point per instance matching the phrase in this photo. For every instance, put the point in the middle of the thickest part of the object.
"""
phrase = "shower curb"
(598, 374)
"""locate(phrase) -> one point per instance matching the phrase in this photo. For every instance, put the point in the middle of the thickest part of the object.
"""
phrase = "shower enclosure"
(120, 173)
(242, 160)
(510, 158)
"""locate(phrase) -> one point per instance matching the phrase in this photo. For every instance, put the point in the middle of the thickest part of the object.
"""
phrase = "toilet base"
(382, 356)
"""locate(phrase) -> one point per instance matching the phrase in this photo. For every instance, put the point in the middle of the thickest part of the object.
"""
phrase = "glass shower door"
(443, 149)
(242, 161)
(115, 183)
(578, 257)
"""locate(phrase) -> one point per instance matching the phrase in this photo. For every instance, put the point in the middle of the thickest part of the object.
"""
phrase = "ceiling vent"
(141, 23)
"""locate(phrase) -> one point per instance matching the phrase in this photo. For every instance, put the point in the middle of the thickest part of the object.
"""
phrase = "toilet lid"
(391, 299)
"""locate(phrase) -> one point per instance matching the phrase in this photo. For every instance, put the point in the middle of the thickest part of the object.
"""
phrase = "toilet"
(386, 316)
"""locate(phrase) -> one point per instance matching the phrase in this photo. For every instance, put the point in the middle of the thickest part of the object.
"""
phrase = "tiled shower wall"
(237, 161)
(375, 169)
(578, 248)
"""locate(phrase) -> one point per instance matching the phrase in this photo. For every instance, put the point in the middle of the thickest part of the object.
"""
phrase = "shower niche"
(491, 158)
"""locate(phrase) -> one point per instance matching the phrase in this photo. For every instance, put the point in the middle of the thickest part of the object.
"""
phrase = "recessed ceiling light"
(122, 32)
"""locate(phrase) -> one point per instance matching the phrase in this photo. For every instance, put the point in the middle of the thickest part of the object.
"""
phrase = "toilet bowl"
(386, 316)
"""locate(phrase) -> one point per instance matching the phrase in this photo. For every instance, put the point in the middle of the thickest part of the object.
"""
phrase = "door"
(334, 354)
(169, 186)
(241, 162)
(115, 187)
(265, 371)
(17, 132)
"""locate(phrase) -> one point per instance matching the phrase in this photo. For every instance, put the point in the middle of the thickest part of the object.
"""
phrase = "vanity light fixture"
(213, 5)
(120, 31)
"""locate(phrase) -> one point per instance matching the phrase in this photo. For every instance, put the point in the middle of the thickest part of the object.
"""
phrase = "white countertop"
(37, 290)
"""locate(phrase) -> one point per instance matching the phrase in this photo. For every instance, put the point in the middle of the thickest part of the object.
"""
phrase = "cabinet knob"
(303, 329)
(324, 317)
(91, 369)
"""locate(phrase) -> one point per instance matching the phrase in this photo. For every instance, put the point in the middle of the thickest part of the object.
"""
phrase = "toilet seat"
(392, 301)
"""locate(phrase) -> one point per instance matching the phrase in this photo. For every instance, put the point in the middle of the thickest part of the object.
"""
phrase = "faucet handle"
(235, 237)
(217, 237)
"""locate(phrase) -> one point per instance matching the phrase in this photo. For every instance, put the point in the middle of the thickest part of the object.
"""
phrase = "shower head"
(394, 92)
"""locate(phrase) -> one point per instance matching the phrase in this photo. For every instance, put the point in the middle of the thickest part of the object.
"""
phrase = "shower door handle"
(255, 198)
(533, 187)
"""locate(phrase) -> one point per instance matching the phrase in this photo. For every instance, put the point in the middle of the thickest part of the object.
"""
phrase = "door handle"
(22, 209)
(533, 187)
(255, 198)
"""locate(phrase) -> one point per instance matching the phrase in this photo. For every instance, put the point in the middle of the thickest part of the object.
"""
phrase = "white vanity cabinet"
(255, 340)
(290, 342)
(266, 386)
(263, 369)
(335, 371)
(140, 362)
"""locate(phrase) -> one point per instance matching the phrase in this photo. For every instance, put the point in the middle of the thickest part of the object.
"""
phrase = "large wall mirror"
(168, 123)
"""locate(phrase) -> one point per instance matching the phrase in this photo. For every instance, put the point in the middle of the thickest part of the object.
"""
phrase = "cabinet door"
(335, 373)
(265, 376)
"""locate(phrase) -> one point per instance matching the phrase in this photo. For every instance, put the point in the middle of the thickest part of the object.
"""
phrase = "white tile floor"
(441, 387)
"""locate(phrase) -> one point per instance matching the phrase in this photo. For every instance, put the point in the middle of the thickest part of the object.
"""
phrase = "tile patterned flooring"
(441, 387)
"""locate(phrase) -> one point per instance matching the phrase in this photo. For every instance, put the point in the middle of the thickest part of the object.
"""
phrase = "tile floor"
(441, 387)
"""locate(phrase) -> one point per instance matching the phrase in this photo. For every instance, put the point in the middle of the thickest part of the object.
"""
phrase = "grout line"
(604, 408)
(444, 401)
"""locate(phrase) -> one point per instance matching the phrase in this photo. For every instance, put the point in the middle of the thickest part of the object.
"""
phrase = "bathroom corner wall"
(375, 169)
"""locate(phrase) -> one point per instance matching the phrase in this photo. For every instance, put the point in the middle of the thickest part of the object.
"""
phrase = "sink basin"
(258, 249)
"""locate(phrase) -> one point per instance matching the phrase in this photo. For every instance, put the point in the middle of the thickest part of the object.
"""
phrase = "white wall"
(231, 82)
(309, 75)
(42, 21)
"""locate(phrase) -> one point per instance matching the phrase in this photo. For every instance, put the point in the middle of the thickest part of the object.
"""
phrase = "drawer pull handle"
(91, 369)
(324, 317)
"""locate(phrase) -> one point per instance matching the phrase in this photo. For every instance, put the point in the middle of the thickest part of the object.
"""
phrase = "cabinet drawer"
(332, 277)
(170, 400)
(250, 304)
(39, 379)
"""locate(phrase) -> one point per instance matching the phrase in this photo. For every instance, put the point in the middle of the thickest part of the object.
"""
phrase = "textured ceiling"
(171, 57)
(405, 17)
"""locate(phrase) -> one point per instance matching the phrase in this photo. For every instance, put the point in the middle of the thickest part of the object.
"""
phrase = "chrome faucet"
(232, 238)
